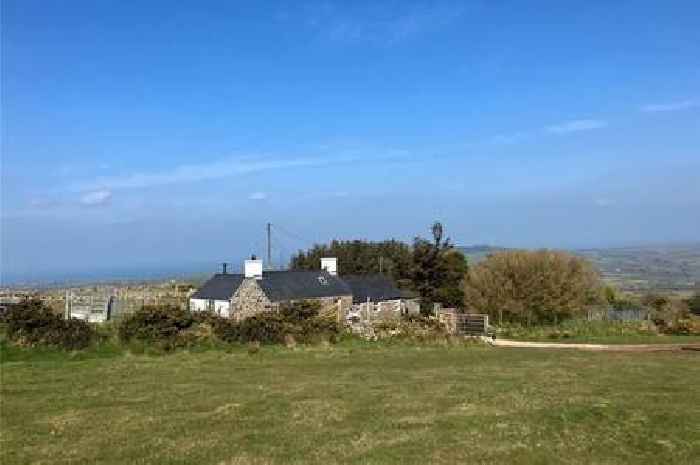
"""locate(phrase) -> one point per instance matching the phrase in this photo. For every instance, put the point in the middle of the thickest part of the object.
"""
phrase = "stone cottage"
(240, 296)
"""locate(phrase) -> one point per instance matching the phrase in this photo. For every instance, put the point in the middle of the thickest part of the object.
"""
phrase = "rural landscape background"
(349, 232)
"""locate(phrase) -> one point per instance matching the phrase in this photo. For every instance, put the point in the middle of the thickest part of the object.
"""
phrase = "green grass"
(622, 339)
(594, 332)
(363, 404)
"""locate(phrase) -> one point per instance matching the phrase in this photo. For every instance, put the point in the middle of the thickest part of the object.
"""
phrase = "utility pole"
(67, 306)
(269, 245)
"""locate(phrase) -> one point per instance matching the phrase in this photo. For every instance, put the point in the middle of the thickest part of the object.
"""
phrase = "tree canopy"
(360, 257)
(432, 268)
(438, 271)
(532, 286)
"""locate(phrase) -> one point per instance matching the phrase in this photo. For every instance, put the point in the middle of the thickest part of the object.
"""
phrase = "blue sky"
(162, 134)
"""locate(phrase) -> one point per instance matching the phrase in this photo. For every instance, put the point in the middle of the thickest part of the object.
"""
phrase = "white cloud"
(44, 203)
(603, 202)
(509, 139)
(228, 168)
(576, 125)
(376, 23)
(97, 197)
(672, 106)
(257, 196)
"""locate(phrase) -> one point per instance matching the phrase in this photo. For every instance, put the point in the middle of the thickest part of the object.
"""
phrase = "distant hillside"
(668, 268)
(476, 253)
(651, 267)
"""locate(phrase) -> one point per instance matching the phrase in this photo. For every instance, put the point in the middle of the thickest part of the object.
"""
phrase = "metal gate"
(467, 324)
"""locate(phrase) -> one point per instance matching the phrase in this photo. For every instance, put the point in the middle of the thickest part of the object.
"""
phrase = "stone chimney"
(253, 268)
(330, 264)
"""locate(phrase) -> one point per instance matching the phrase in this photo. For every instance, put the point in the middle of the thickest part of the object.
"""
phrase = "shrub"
(304, 324)
(694, 304)
(299, 311)
(532, 287)
(671, 316)
(264, 328)
(160, 325)
(317, 329)
(225, 329)
(684, 327)
(579, 329)
(299, 321)
(33, 324)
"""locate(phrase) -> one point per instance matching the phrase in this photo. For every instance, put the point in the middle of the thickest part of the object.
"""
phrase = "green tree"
(438, 271)
(532, 286)
(360, 257)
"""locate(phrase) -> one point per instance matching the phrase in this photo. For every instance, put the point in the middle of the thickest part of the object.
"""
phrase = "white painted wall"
(199, 305)
(220, 307)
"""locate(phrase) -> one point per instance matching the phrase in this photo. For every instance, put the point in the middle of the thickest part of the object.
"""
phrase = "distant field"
(665, 268)
(358, 405)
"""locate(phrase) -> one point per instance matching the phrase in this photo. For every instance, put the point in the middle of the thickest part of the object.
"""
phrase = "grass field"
(626, 339)
(345, 404)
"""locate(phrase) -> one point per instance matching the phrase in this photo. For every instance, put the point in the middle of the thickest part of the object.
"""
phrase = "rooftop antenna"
(269, 246)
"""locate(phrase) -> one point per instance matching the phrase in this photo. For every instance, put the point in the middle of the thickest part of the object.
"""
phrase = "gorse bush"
(169, 327)
(265, 328)
(299, 321)
(304, 324)
(33, 324)
(160, 325)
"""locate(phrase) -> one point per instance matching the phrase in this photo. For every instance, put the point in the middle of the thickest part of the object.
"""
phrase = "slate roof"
(296, 285)
(281, 286)
(376, 287)
(219, 287)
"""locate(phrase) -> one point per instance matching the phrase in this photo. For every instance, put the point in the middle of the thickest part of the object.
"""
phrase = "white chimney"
(253, 268)
(330, 264)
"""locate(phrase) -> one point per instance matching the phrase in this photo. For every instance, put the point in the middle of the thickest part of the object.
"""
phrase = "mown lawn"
(623, 339)
(364, 405)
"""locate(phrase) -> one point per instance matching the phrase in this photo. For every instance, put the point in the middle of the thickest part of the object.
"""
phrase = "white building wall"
(220, 307)
(199, 305)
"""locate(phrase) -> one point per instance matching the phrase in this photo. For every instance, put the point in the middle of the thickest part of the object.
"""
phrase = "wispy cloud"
(42, 203)
(257, 196)
(230, 167)
(509, 139)
(603, 202)
(377, 23)
(97, 197)
(671, 106)
(576, 126)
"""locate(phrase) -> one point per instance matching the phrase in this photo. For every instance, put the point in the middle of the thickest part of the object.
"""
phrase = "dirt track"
(596, 347)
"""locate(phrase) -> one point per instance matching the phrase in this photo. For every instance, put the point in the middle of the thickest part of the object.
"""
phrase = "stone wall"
(329, 306)
(249, 299)
(385, 310)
